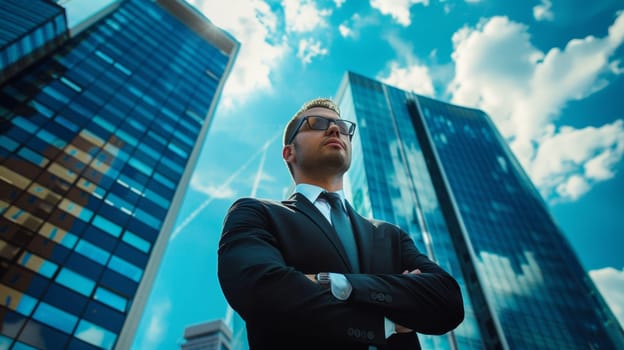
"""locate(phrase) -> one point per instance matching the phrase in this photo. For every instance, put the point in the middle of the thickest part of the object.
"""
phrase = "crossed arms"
(261, 285)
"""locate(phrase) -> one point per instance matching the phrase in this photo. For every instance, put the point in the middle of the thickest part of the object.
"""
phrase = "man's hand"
(397, 327)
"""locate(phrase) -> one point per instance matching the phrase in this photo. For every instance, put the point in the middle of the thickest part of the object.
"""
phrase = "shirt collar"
(311, 192)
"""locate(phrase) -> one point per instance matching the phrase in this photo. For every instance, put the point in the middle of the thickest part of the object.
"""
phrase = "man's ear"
(288, 153)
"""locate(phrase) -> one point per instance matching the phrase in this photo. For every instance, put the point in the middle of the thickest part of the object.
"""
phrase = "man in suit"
(310, 273)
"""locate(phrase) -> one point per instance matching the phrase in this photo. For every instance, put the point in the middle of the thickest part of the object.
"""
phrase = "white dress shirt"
(312, 192)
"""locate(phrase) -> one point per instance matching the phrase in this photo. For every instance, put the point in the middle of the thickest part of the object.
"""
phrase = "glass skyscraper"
(28, 31)
(444, 174)
(98, 140)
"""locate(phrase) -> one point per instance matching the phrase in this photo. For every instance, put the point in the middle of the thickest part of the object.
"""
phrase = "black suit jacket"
(266, 249)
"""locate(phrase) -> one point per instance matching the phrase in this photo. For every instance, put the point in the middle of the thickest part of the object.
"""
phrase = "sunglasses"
(321, 123)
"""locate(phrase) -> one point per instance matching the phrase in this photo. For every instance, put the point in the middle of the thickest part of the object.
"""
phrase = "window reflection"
(125, 268)
(55, 317)
(95, 335)
(111, 299)
(75, 281)
(16, 300)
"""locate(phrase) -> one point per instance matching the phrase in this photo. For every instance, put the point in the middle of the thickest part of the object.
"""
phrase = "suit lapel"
(303, 205)
(363, 231)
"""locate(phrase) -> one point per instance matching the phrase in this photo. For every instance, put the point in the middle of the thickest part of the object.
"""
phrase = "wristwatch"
(323, 279)
(338, 284)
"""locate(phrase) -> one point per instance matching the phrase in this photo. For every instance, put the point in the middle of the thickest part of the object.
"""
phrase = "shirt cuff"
(389, 327)
(340, 286)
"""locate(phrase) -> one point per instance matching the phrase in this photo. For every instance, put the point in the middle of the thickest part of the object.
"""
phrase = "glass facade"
(445, 175)
(97, 144)
(28, 31)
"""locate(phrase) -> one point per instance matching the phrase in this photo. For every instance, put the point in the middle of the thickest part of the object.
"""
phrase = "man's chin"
(339, 162)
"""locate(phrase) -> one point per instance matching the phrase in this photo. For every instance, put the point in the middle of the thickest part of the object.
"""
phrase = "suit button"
(370, 335)
(356, 333)
(388, 298)
(350, 332)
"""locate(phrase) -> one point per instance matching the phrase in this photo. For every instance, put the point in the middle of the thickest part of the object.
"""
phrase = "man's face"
(315, 151)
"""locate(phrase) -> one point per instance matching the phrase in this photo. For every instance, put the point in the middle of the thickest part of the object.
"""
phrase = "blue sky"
(548, 72)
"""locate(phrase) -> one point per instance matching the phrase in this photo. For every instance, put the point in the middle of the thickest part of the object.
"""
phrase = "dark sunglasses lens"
(344, 127)
(318, 123)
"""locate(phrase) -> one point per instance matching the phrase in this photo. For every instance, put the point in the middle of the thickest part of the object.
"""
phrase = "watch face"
(323, 278)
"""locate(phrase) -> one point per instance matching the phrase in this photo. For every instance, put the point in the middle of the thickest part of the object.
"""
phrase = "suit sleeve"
(429, 302)
(260, 286)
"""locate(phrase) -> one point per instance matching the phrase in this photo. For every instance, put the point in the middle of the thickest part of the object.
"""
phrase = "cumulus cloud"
(310, 48)
(542, 12)
(410, 75)
(345, 31)
(570, 160)
(304, 15)
(399, 10)
(523, 89)
(254, 25)
(610, 283)
(413, 78)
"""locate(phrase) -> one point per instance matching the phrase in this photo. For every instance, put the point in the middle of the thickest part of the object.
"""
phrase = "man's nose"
(333, 129)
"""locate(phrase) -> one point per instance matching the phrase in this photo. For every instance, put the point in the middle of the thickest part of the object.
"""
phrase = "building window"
(38, 264)
(125, 268)
(111, 299)
(92, 252)
(75, 281)
(54, 317)
(16, 300)
(95, 335)
(107, 226)
(136, 241)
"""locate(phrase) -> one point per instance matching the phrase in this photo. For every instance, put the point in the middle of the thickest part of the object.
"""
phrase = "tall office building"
(444, 174)
(98, 140)
(213, 335)
(28, 31)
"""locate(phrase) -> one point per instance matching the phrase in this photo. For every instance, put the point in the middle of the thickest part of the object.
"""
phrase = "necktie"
(343, 227)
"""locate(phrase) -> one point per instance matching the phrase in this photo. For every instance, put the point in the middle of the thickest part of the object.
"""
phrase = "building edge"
(127, 334)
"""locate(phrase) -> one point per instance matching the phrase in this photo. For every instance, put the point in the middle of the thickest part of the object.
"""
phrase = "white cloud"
(339, 3)
(410, 75)
(254, 25)
(345, 31)
(610, 283)
(523, 89)
(158, 323)
(413, 78)
(572, 159)
(303, 15)
(310, 48)
(542, 12)
(352, 26)
(213, 191)
(573, 187)
(398, 9)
